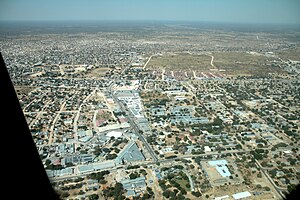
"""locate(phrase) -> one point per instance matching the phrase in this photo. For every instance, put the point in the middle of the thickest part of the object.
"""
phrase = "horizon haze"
(230, 11)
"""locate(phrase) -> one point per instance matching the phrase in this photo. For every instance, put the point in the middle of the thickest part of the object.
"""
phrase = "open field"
(230, 63)
(180, 62)
(242, 63)
(98, 72)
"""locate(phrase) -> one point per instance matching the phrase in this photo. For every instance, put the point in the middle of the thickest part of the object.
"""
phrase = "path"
(147, 62)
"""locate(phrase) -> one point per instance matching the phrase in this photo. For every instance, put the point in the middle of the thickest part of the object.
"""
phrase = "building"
(96, 166)
(85, 168)
(225, 197)
(241, 195)
(130, 153)
(104, 165)
(85, 136)
(115, 134)
(76, 159)
(133, 186)
(62, 172)
(134, 183)
(207, 149)
(221, 167)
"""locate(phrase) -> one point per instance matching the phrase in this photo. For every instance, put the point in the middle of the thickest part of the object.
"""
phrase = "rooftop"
(241, 195)
(130, 153)
(115, 134)
(134, 183)
(221, 167)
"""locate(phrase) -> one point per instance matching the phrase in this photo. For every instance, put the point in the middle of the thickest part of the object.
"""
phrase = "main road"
(133, 125)
(130, 117)
(170, 160)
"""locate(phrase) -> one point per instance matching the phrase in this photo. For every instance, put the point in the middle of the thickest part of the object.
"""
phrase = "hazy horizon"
(218, 11)
(72, 26)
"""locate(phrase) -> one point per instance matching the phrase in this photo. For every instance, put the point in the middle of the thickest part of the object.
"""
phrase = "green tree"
(94, 197)
(48, 162)
(134, 175)
(196, 194)
(258, 186)
(166, 193)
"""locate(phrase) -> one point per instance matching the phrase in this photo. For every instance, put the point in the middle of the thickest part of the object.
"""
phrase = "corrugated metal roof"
(241, 195)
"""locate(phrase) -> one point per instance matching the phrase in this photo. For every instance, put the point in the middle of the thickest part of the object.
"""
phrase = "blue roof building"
(134, 183)
(221, 167)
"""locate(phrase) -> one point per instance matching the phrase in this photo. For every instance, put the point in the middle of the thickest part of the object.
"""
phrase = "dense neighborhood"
(112, 120)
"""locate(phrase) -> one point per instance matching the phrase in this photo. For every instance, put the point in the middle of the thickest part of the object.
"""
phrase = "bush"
(196, 194)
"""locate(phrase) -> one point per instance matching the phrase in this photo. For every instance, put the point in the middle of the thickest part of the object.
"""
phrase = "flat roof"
(134, 183)
(130, 153)
(85, 138)
(223, 170)
(115, 134)
(207, 149)
(241, 195)
(104, 165)
(130, 193)
(217, 162)
(62, 172)
(222, 197)
(221, 167)
(85, 168)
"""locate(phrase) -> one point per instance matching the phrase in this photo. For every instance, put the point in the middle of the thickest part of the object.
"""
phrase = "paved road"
(135, 127)
(132, 122)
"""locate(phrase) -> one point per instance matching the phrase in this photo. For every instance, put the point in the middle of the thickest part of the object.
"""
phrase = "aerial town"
(161, 111)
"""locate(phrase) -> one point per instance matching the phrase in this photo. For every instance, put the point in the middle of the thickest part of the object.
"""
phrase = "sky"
(236, 11)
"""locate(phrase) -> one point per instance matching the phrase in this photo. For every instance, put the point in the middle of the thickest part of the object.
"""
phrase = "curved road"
(212, 61)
